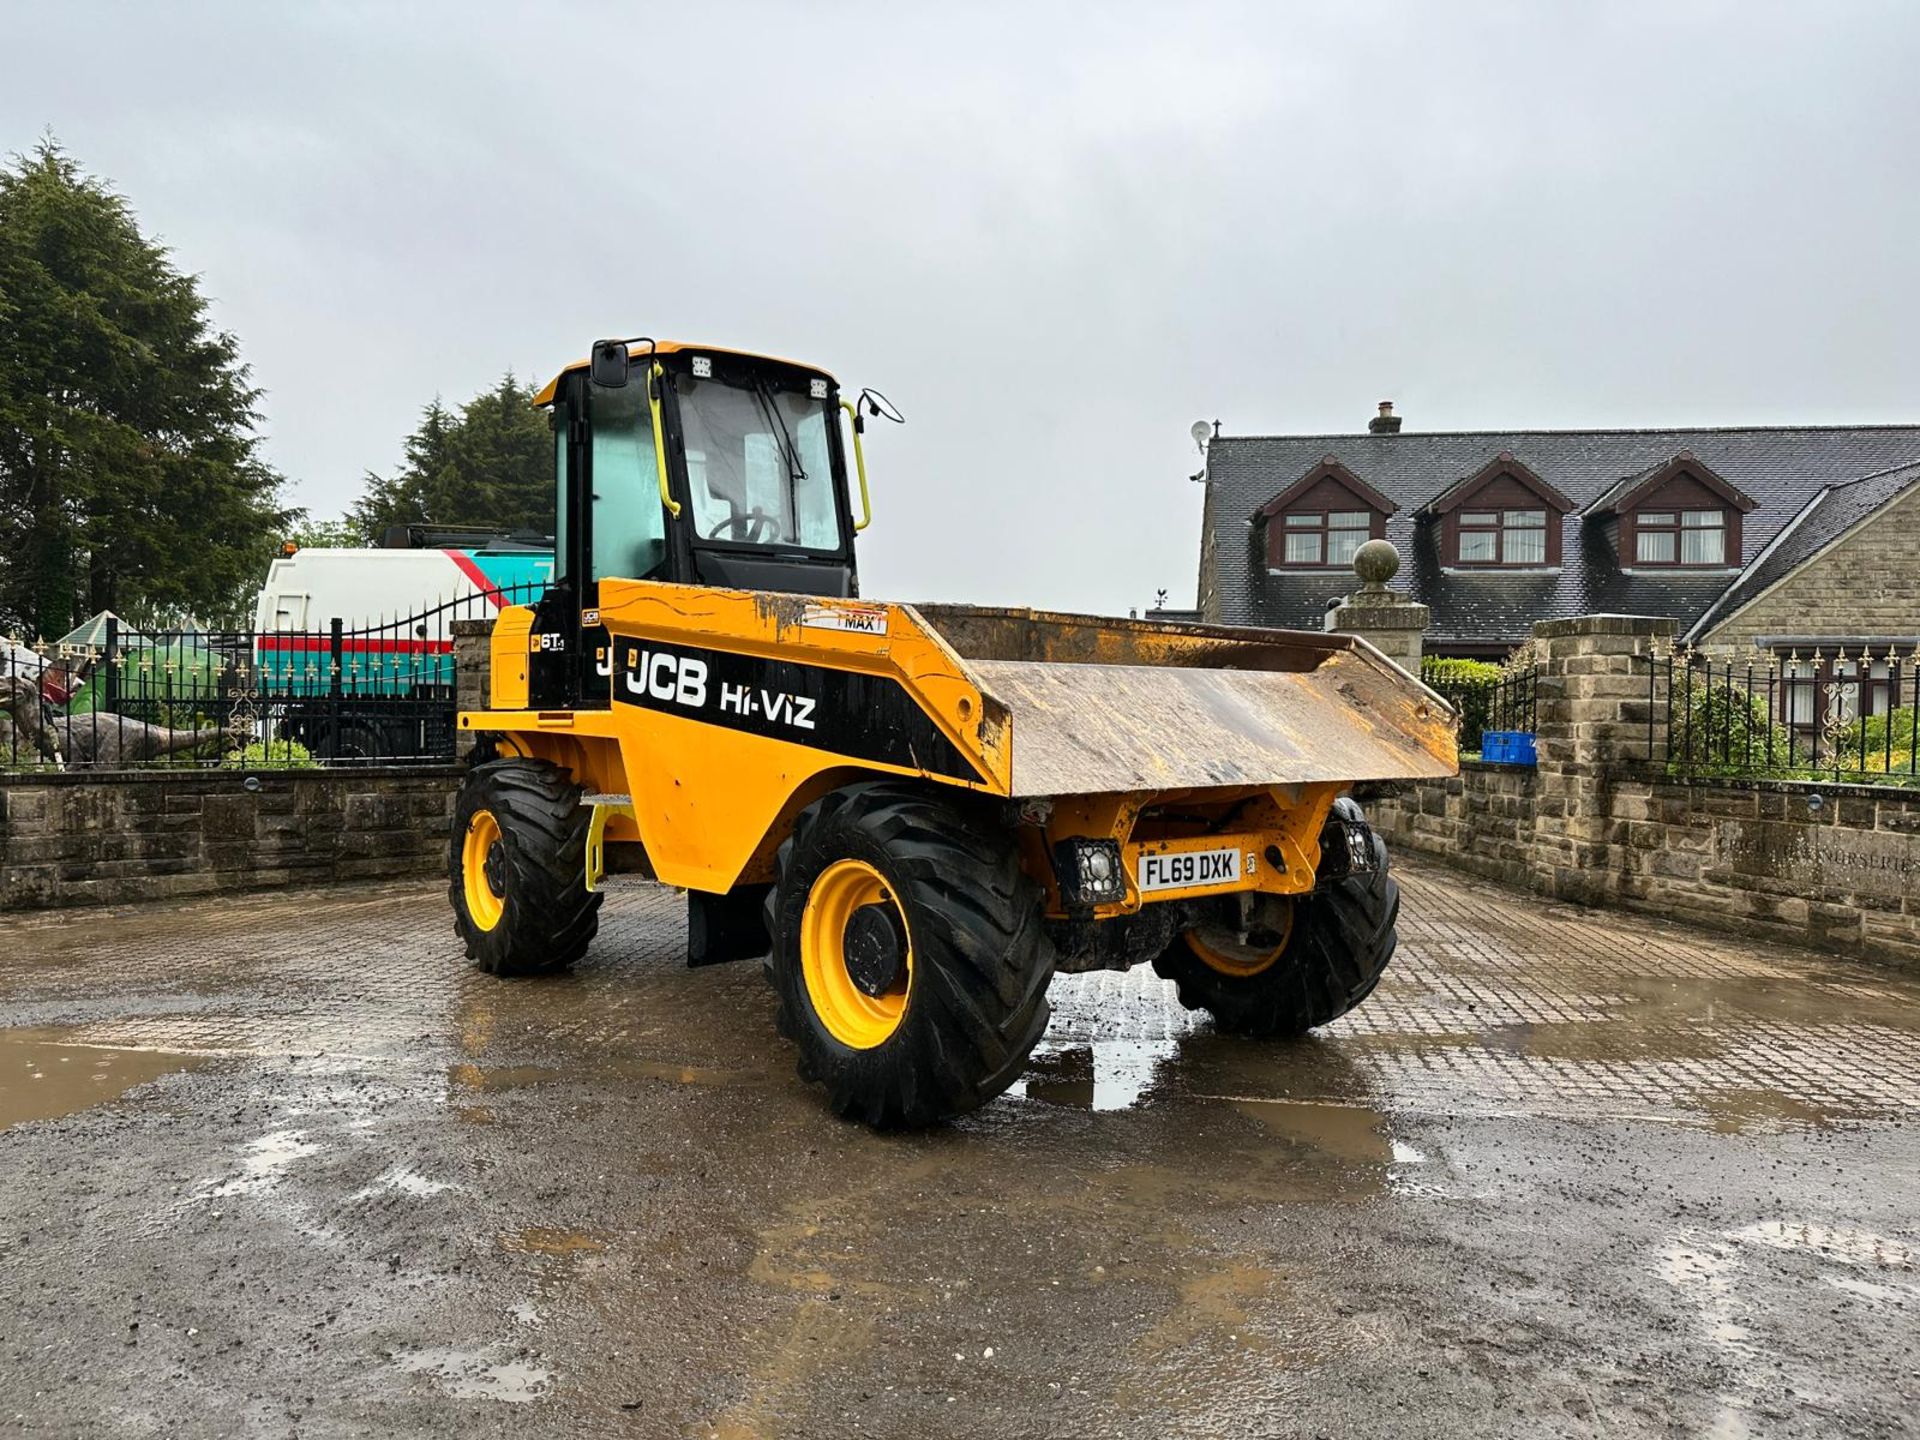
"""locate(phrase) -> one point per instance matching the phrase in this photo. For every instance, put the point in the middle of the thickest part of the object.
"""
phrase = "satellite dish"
(1201, 432)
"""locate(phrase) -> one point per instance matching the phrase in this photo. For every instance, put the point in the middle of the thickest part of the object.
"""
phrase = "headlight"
(1090, 872)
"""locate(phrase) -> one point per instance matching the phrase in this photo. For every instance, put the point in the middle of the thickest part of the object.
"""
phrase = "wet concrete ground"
(284, 1165)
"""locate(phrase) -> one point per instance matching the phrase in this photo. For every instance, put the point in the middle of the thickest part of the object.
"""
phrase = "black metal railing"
(1503, 705)
(381, 693)
(1839, 715)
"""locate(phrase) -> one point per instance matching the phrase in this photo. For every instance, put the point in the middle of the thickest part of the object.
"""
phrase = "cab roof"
(674, 347)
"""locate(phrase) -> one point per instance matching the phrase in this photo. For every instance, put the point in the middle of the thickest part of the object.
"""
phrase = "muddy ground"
(284, 1165)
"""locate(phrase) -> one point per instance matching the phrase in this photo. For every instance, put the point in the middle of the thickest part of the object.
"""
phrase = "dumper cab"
(693, 465)
(914, 815)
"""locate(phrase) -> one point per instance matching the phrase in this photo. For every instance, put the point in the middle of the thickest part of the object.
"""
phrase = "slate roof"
(1781, 468)
(1619, 490)
(1831, 513)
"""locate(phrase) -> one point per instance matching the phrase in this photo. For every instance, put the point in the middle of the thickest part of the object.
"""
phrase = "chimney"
(1386, 422)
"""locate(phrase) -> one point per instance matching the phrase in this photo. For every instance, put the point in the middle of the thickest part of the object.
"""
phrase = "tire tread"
(551, 916)
(982, 960)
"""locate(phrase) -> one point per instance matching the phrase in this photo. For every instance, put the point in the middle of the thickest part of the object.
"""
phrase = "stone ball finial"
(1376, 562)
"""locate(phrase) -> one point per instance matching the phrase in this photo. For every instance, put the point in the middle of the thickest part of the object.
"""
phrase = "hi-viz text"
(861, 716)
(686, 681)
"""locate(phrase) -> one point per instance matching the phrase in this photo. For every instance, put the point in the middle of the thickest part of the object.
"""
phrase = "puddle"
(498, 1079)
(468, 1076)
(1830, 1242)
(562, 1243)
(1741, 1111)
(682, 1074)
(45, 1073)
(470, 1375)
(402, 1181)
(1100, 1075)
(1349, 1133)
(1707, 1274)
(1308, 1096)
(1126, 1071)
(265, 1163)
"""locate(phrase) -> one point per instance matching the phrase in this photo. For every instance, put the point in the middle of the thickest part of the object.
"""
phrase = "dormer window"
(1684, 537)
(1326, 537)
(1321, 520)
(1673, 515)
(1503, 516)
(1503, 537)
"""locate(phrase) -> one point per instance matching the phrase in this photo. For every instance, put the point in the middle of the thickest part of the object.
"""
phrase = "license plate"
(1189, 869)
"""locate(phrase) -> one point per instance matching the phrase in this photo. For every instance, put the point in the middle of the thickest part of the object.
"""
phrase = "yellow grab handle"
(860, 465)
(659, 440)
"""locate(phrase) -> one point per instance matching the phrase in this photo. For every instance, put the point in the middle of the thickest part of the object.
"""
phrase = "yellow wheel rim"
(1221, 950)
(479, 870)
(854, 1017)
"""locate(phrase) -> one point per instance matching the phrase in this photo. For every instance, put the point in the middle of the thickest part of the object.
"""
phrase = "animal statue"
(26, 734)
(106, 740)
(32, 731)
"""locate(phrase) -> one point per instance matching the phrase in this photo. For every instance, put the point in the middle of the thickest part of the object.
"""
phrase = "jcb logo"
(723, 686)
(664, 676)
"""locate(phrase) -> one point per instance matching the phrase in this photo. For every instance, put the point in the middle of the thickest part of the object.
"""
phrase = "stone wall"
(1834, 867)
(1837, 867)
(472, 675)
(1482, 820)
(1865, 586)
(84, 839)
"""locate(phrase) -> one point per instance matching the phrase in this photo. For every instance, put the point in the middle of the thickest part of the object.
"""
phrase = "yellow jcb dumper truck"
(916, 814)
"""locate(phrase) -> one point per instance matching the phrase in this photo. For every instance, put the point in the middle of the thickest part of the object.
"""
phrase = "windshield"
(758, 465)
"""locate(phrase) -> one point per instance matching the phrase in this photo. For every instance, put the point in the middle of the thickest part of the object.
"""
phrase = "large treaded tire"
(548, 917)
(1341, 941)
(977, 1001)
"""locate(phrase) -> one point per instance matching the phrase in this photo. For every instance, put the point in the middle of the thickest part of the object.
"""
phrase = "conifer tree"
(130, 472)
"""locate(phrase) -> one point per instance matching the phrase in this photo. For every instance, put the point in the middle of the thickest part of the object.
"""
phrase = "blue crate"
(1507, 747)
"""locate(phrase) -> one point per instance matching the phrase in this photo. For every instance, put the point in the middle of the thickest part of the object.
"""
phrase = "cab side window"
(629, 523)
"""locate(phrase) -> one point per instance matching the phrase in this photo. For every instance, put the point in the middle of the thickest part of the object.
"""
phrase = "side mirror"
(608, 367)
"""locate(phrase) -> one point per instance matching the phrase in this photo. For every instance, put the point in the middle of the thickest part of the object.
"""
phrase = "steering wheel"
(754, 526)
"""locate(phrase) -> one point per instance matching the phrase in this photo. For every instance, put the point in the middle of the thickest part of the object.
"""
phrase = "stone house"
(1763, 542)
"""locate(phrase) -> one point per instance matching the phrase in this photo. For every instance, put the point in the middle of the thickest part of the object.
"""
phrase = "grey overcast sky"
(1056, 235)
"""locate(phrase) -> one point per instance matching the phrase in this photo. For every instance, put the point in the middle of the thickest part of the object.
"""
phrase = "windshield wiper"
(789, 451)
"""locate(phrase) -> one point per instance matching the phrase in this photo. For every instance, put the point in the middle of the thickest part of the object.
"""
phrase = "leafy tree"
(310, 534)
(489, 464)
(130, 474)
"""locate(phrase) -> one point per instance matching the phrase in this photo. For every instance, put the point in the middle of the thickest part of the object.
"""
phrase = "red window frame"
(1499, 527)
(1672, 523)
(1292, 523)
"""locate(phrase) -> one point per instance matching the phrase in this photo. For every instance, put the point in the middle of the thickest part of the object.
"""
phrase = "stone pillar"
(1600, 706)
(1385, 619)
(472, 641)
